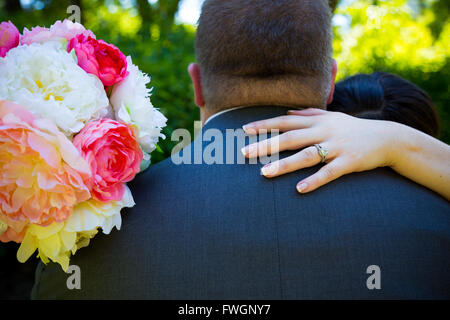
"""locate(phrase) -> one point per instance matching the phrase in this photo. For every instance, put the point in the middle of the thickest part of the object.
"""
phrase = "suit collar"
(236, 117)
(222, 112)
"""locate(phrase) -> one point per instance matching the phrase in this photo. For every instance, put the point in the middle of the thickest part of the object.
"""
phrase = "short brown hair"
(249, 48)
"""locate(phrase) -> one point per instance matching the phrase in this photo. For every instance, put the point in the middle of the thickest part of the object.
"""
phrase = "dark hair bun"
(384, 96)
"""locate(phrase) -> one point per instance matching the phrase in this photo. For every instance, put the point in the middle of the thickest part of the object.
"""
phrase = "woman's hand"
(353, 144)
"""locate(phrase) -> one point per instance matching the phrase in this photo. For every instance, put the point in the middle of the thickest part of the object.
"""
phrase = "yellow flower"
(58, 241)
(53, 243)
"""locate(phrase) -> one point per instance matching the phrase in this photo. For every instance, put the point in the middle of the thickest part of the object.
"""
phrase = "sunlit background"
(189, 11)
(406, 37)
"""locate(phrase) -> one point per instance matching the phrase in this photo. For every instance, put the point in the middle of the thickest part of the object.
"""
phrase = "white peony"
(92, 214)
(46, 80)
(130, 100)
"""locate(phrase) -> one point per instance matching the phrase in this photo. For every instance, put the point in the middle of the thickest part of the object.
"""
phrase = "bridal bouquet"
(76, 124)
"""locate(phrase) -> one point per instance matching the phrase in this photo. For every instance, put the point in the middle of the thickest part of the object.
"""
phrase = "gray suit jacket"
(225, 232)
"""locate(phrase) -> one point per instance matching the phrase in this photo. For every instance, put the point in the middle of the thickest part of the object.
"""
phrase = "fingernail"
(269, 169)
(248, 128)
(250, 150)
(302, 187)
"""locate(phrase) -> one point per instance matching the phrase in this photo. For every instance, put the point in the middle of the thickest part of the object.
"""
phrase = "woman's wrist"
(407, 142)
(397, 142)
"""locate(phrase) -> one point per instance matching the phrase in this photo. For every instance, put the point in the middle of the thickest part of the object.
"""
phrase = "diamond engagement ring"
(322, 152)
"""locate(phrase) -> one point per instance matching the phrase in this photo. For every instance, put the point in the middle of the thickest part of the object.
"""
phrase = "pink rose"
(99, 58)
(42, 174)
(114, 155)
(9, 37)
(59, 30)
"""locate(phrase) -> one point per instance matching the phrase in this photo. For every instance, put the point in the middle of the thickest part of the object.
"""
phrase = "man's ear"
(194, 72)
(333, 80)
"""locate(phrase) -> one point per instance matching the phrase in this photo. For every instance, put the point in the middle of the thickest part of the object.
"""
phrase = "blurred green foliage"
(406, 37)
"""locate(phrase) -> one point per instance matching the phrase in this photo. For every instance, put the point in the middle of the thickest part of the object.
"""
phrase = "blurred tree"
(333, 4)
(397, 36)
(441, 11)
(161, 13)
(13, 6)
(406, 37)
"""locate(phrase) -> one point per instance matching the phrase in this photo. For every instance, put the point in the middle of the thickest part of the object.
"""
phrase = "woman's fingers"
(306, 158)
(333, 170)
(308, 112)
(282, 123)
(291, 140)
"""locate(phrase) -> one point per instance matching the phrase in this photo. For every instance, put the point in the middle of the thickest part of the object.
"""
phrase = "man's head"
(256, 52)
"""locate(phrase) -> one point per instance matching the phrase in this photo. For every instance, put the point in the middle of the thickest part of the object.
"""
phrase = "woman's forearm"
(353, 145)
(421, 158)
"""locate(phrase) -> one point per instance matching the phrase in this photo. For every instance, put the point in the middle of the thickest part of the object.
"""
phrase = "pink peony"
(99, 58)
(9, 37)
(114, 155)
(59, 30)
(42, 174)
